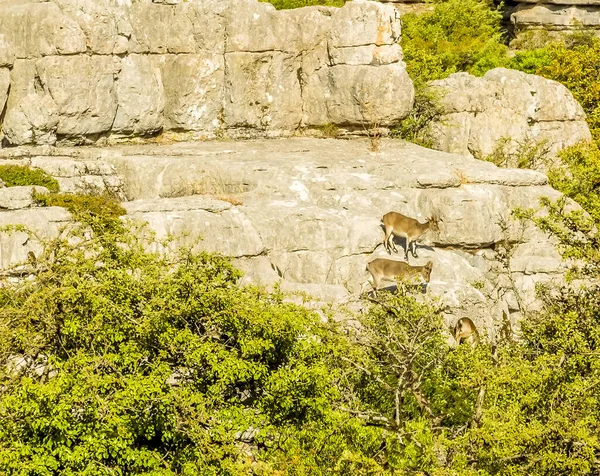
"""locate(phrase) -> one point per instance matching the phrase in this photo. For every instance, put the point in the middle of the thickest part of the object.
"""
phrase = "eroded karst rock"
(306, 213)
(211, 67)
(505, 105)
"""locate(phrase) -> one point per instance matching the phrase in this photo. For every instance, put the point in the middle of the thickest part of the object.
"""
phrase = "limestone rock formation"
(556, 16)
(207, 67)
(306, 213)
(505, 104)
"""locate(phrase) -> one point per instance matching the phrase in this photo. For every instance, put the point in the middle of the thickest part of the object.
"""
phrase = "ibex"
(381, 268)
(409, 228)
(466, 331)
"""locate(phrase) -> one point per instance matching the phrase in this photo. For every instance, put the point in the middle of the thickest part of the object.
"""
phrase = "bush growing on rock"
(288, 4)
(456, 36)
(574, 64)
(19, 175)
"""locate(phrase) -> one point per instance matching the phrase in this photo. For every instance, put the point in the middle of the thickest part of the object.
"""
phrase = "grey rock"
(262, 91)
(140, 97)
(15, 198)
(362, 95)
(505, 105)
(160, 28)
(233, 67)
(7, 54)
(565, 17)
(4, 86)
(33, 121)
(83, 88)
(193, 88)
(43, 223)
(105, 24)
(40, 29)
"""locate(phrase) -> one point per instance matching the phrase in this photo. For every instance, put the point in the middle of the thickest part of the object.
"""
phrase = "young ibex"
(409, 228)
(381, 269)
(466, 331)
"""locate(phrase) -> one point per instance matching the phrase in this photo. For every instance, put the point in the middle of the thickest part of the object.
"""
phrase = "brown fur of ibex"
(397, 224)
(381, 268)
(466, 331)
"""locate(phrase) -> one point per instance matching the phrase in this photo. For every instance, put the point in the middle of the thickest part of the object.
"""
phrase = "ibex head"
(433, 222)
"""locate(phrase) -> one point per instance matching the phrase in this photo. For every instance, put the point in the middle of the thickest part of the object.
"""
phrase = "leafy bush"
(162, 365)
(579, 176)
(101, 212)
(526, 154)
(18, 175)
(415, 127)
(288, 4)
(575, 63)
(458, 35)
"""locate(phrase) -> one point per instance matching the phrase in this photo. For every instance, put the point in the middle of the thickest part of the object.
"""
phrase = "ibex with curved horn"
(399, 225)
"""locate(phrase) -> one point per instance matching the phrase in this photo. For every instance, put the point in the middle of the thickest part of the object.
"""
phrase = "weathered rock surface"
(560, 15)
(208, 67)
(15, 198)
(505, 105)
(307, 212)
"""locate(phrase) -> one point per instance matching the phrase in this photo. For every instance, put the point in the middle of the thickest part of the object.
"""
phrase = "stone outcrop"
(74, 71)
(556, 16)
(504, 105)
(306, 213)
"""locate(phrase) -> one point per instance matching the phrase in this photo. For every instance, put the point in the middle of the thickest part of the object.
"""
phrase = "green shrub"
(101, 212)
(579, 176)
(575, 62)
(289, 4)
(415, 127)
(458, 35)
(18, 175)
(164, 365)
(526, 154)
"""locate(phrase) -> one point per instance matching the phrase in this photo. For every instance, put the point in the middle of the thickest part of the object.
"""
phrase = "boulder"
(40, 29)
(193, 89)
(40, 223)
(505, 105)
(83, 88)
(262, 91)
(33, 121)
(15, 198)
(140, 97)
(211, 67)
(105, 24)
(561, 16)
(7, 54)
(4, 87)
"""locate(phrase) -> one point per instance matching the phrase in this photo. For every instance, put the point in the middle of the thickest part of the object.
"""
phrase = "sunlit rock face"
(205, 68)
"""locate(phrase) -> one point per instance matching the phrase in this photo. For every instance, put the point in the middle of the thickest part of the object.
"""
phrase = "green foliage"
(575, 63)
(579, 176)
(458, 35)
(415, 127)
(162, 365)
(288, 4)
(527, 154)
(16, 175)
(101, 212)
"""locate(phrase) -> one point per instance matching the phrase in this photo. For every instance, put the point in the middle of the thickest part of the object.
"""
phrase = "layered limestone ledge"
(306, 213)
(75, 71)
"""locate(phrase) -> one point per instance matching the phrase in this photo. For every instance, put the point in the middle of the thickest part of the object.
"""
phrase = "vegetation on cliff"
(117, 360)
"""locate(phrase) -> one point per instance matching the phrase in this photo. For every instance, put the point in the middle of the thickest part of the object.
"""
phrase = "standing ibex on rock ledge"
(409, 228)
(381, 268)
